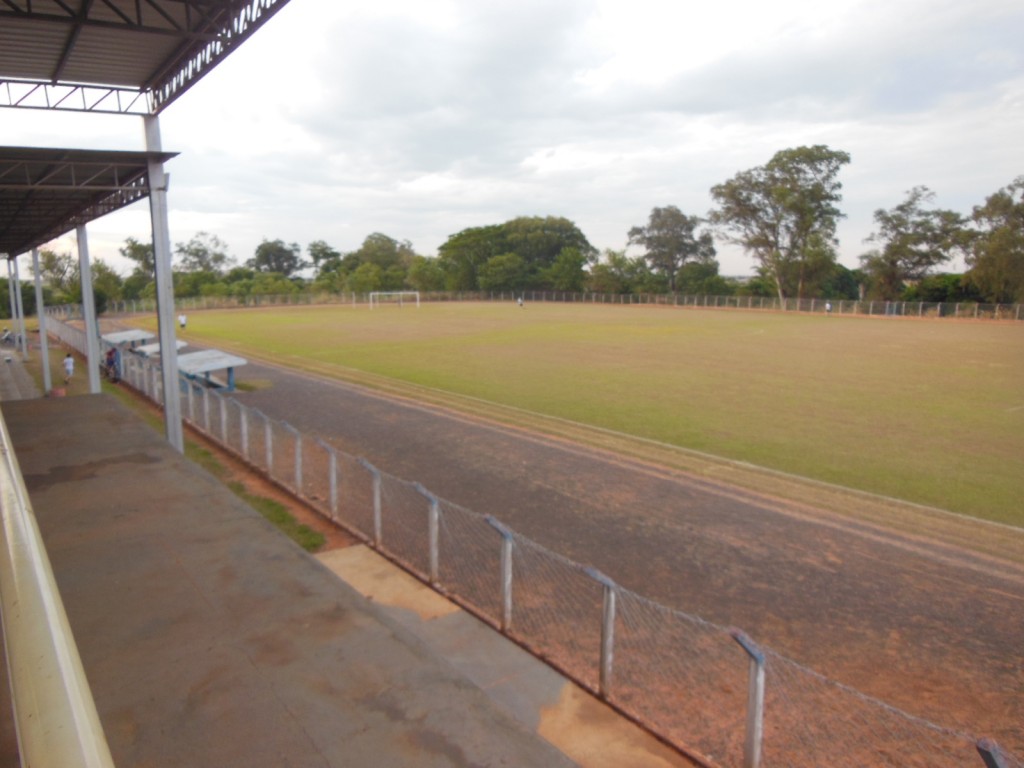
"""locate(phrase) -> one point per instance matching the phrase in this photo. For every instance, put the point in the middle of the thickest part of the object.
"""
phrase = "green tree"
(568, 271)
(609, 274)
(504, 272)
(105, 280)
(203, 253)
(783, 212)
(141, 254)
(425, 274)
(58, 270)
(28, 298)
(325, 259)
(385, 252)
(996, 256)
(670, 240)
(913, 241)
(840, 283)
(366, 277)
(700, 277)
(275, 256)
(537, 241)
(462, 255)
(942, 288)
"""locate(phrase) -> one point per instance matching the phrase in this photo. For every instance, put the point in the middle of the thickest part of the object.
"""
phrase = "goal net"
(401, 298)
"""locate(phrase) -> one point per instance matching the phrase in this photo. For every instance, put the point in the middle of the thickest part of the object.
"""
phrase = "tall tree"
(58, 270)
(203, 253)
(275, 256)
(567, 272)
(385, 252)
(996, 257)
(913, 241)
(670, 240)
(784, 213)
(463, 254)
(325, 259)
(538, 241)
(141, 254)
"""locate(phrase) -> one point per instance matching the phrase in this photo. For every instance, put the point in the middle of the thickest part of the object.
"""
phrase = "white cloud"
(419, 119)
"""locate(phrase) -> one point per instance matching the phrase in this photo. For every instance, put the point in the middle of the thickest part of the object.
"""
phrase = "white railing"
(55, 715)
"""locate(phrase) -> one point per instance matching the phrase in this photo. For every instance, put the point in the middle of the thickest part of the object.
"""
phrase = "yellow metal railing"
(54, 712)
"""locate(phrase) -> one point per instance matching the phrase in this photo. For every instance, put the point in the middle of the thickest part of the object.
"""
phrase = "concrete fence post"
(433, 531)
(506, 571)
(755, 701)
(607, 629)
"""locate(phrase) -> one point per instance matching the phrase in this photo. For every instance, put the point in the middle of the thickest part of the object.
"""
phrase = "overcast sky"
(420, 118)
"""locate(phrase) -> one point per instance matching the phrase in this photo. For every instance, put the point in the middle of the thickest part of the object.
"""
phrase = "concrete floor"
(211, 640)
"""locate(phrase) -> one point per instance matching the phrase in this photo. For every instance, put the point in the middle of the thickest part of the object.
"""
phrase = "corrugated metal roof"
(47, 192)
(157, 48)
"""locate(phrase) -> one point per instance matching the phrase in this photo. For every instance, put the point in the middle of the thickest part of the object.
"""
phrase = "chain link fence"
(707, 689)
(918, 309)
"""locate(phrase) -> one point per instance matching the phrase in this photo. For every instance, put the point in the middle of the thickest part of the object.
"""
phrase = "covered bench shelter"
(130, 337)
(153, 350)
(206, 361)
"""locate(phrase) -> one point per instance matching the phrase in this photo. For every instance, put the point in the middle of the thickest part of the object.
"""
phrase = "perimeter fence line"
(843, 307)
(712, 691)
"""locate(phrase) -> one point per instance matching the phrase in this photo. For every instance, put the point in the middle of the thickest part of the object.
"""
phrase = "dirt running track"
(936, 632)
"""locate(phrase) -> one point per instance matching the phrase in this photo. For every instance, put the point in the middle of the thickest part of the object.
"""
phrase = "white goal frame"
(375, 297)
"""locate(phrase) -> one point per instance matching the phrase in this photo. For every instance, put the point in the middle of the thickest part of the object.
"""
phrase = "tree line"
(783, 214)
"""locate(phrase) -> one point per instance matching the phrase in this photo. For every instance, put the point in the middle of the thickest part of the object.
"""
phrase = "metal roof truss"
(116, 56)
(46, 193)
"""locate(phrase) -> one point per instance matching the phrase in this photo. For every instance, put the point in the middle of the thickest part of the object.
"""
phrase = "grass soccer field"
(926, 411)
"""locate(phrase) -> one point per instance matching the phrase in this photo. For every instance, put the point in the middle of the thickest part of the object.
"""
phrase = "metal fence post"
(191, 400)
(206, 409)
(755, 701)
(433, 530)
(332, 478)
(268, 440)
(607, 629)
(298, 455)
(243, 423)
(506, 571)
(377, 516)
(223, 420)
(991, 754)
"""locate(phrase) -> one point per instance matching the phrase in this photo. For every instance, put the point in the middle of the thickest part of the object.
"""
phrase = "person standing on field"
(69, 367)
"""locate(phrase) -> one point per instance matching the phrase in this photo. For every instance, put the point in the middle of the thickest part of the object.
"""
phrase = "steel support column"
(92, 331)
(44, 342)
(164, 287)
(20, 312)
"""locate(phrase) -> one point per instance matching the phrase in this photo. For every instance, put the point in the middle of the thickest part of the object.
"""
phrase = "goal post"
(401, 298)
